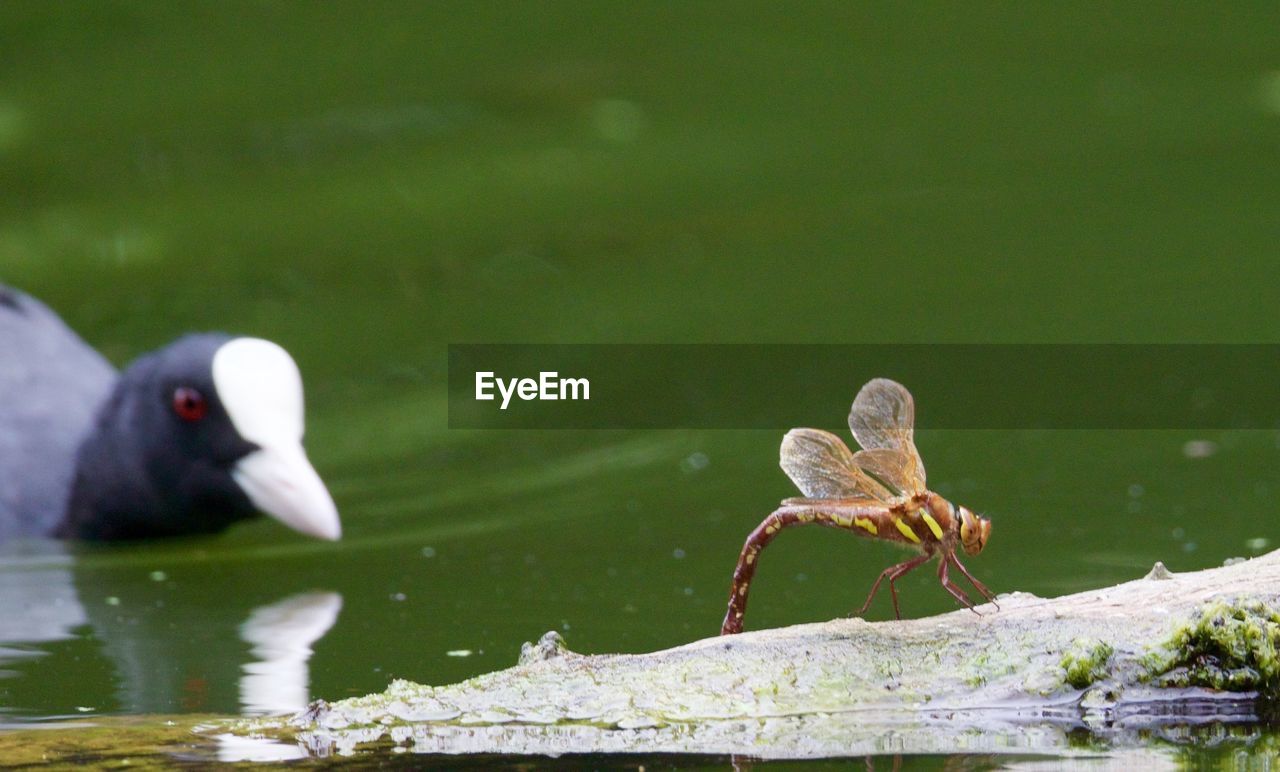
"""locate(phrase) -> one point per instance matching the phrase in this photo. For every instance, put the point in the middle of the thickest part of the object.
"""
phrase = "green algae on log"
(1188, 645)
(134, 742)
(1228, 646)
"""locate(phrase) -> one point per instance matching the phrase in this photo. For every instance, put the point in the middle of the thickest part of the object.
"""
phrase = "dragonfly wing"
(883, 417)
(822, 467)
(859, 505)
(893, 468)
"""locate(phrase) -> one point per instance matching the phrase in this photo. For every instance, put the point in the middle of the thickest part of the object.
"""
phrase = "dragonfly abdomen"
(920, 522)
(908, 523)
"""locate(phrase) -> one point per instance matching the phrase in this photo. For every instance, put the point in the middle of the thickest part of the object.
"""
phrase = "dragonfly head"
(974, 530)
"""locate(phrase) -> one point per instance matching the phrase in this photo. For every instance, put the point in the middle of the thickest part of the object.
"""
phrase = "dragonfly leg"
(950, 586)
(892, 573)
(982, 588)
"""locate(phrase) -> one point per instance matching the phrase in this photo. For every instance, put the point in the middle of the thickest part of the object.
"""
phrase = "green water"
(368, 184)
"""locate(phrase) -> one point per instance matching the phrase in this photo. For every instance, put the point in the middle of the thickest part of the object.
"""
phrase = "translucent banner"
(956, 386)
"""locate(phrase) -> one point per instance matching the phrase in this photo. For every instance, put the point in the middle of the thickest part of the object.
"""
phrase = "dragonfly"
(877, 493)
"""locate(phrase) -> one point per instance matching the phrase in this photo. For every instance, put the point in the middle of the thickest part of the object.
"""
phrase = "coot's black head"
(196, 436)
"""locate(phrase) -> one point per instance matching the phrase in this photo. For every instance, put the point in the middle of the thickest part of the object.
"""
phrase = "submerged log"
(1166, 649)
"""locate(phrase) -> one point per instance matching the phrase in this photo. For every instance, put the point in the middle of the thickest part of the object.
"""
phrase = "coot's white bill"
(261, 390)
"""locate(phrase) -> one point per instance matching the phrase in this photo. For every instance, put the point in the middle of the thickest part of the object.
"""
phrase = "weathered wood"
(1164, 647)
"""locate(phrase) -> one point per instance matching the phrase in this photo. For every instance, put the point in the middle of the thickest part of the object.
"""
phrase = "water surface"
(366, 187)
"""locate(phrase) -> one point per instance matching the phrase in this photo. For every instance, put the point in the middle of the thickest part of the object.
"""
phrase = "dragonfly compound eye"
(973, 531)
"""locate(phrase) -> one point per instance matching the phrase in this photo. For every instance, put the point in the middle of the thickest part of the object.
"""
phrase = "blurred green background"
(366, 183)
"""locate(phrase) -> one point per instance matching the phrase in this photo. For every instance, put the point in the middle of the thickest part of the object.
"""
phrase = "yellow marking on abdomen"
(865, 524)
(906, 531)
(933, 524)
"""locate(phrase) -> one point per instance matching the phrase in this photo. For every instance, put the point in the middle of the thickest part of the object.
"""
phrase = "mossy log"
(1166, 650)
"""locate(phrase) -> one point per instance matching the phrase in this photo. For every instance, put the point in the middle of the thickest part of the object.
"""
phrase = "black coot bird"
(187, 439)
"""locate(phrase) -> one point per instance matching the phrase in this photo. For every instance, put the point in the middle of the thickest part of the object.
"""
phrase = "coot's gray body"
(51, 387)
(187, 439)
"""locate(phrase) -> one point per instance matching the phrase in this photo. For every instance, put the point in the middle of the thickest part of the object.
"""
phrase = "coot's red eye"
(189, 403)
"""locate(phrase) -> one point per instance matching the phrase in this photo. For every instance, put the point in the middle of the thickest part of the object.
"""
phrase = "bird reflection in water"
(281, 635)
(117, 633)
